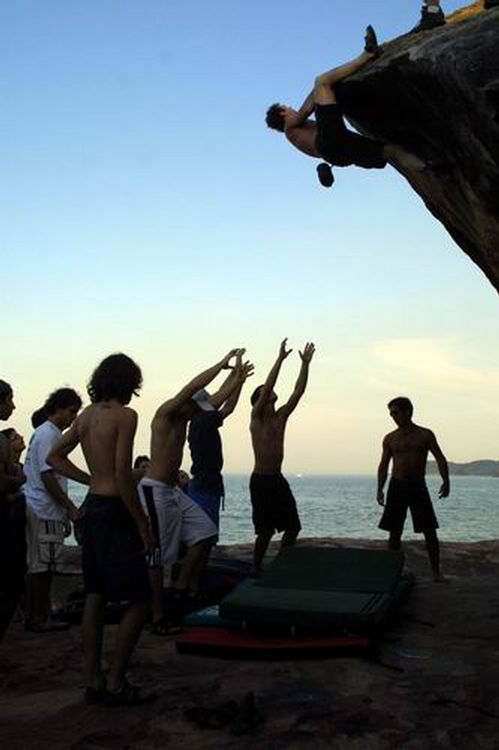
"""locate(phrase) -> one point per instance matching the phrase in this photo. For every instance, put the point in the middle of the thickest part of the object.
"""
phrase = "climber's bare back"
(303, 138)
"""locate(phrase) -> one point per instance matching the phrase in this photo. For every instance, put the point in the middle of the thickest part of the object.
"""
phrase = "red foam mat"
(228, 642)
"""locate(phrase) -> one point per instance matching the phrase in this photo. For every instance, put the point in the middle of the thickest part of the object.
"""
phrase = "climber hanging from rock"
(328, 138)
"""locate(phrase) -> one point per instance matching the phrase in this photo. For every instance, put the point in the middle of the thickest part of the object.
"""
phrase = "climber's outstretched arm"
(305, 110)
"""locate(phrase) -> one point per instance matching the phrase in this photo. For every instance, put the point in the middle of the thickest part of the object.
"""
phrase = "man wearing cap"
(175, 518)
(206, 486)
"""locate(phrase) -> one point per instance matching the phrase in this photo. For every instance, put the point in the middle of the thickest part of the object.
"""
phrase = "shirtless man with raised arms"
(274, 507)
(175, 517)
(116, 532)
(408, 447)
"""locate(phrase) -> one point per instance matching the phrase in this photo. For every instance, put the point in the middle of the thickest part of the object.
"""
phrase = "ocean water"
(345, 506)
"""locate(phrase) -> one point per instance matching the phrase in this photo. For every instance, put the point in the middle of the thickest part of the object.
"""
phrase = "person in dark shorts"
(116, 534)
(327, 137)
(408, 447)
(273, 504)
(113, 553)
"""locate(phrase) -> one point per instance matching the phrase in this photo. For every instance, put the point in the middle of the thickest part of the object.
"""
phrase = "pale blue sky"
(147, 208)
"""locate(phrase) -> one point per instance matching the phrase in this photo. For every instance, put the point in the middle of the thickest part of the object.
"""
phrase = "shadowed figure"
(273, 504)
(408, 447)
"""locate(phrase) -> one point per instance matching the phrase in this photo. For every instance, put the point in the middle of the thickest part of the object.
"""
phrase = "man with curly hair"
(116, 533)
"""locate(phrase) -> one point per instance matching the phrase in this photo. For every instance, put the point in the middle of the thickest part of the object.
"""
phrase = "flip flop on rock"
(165, 627)
(128, 695)
(95, 695)
(371, 45)
(212, 717)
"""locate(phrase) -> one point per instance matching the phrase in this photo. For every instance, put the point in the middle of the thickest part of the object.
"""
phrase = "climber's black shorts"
(403, 494)
(340, 146)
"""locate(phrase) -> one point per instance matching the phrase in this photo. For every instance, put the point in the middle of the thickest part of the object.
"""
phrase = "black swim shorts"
(113, 559)
(340, 146)
(274, 507)
(403, 494)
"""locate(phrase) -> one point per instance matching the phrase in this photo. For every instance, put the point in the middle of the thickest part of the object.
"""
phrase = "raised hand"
(246, 370)
(307, 353)
(283, 352)
(229, 356)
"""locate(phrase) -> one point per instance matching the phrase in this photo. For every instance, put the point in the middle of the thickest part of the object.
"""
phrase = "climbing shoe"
(430, 19)
(325, 174)
(371, 45)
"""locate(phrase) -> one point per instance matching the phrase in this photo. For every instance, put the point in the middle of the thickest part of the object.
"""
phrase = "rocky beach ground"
(434, 683)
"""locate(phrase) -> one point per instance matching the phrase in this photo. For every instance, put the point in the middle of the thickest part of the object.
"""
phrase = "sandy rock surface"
(434, 684)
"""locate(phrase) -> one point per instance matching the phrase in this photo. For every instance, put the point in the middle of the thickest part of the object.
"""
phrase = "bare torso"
(168, 433)
(267, 436)
(98, 427)
(303, 138)
(409, 451)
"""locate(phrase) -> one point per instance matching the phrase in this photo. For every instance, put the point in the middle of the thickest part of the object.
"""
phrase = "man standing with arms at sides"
(175, 517)
(48, 509)
(116, 532)
(408, 447)
(206, 486)
(274, 507)
(11, 480)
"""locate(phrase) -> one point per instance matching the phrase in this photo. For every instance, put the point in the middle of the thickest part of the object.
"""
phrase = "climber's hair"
(274, 117)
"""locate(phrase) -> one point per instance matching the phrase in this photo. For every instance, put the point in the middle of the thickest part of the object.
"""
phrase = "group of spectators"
(138, 520)
(143, 518)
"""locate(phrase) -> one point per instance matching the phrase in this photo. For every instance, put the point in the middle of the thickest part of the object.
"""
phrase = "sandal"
(128, 695)
(214, 717)
(248, 717)
(165, 627)
(95, 695)
(371, 45)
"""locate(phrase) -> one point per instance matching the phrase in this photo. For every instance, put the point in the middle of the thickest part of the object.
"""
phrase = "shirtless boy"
(408, 447)
(116, 533)
(11, 480)
(177, 518)
(327, 137)
(274, 507)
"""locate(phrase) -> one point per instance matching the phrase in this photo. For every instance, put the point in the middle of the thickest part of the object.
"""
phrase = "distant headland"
(481, 468)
